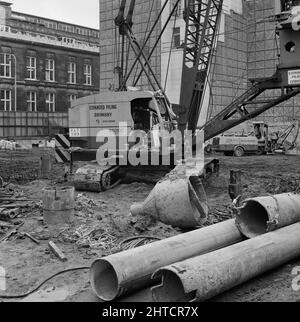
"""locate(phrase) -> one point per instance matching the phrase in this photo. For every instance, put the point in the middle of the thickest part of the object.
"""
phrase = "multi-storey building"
(44, 64)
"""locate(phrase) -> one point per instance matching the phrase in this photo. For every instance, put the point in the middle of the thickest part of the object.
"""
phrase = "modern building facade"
(247, 48)
(44, 64)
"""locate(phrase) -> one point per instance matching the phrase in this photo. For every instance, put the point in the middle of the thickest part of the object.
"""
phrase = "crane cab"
(95, 117)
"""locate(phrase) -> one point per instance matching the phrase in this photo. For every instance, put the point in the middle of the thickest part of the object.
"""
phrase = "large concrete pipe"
(203, 277)
(264, 214)
(180, 203)
(129, 271)
(58, 205)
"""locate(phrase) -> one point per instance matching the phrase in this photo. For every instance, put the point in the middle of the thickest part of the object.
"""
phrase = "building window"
(4, 28)
(51, 25)
(5, 100)
(50, 70)
(5, 65)
(68, 41)
(72, 97)
(31, 68)
(176, 37)
(31, 102)
(72, 73)
(50, 102)
(88, 74)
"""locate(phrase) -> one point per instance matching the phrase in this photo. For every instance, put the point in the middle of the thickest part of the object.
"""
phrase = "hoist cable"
(170, 52)
(145, 37)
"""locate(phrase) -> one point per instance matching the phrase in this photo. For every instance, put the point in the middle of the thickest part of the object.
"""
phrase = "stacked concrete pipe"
(203, 277)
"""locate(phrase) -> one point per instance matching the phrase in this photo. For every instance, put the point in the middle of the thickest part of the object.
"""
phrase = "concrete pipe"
(204, 277)
(264, 214)
(180, 203)
(58, 205)
(129, 271)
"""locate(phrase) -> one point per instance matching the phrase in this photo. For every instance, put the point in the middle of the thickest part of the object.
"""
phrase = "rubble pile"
(284, 184)
(85, 204)
(24, 166)
(14, 207)
(220, 214)
(95, 238)
(17, 166)
(8, 145)
(90, 237)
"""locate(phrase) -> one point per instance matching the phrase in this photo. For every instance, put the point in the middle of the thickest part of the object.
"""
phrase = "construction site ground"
(103, 221)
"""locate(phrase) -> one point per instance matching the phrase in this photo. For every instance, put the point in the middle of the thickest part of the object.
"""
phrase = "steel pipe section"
(129, 271)
(203, 277)
(265, 214)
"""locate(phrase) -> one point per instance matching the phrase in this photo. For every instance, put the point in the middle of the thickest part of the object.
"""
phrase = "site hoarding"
(31, 125)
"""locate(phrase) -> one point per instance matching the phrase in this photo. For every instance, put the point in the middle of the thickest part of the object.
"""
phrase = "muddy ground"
(103, 221)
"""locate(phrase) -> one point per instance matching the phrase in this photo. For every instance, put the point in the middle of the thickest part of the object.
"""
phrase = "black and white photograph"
(149, 154)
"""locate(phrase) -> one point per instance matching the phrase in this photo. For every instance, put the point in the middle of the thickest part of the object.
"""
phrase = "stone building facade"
(44, 64)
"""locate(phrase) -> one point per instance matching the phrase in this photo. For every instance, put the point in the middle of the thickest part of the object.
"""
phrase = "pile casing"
(129, 271)
(203, 277)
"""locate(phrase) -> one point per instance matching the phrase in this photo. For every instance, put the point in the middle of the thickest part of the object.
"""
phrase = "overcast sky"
(74, 11)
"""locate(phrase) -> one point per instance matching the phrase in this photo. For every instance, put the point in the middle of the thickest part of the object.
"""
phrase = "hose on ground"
(137, 241)
(43, 283)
